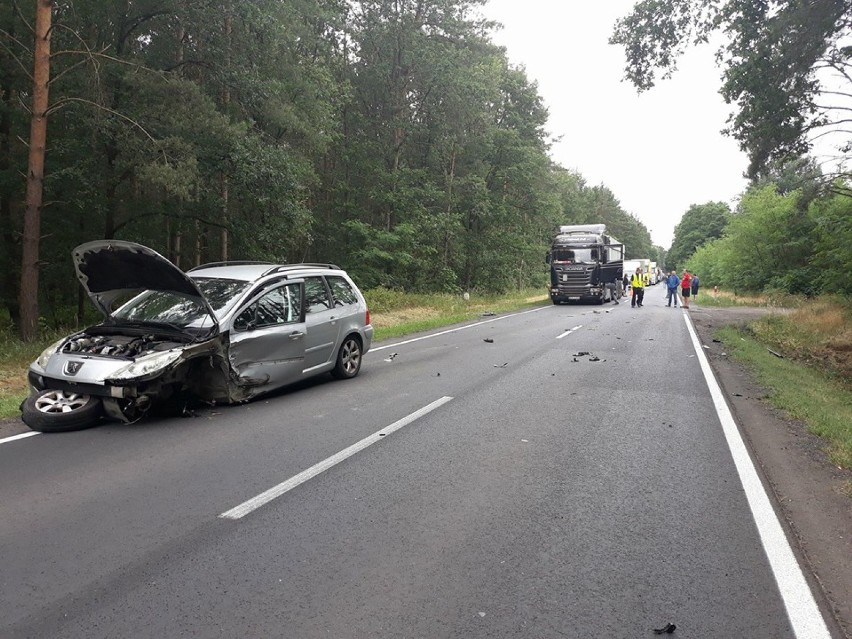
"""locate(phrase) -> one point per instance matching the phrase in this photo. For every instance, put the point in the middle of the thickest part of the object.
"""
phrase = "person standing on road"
(695, 284)
(685, 287)
(637, 285)
(672, 283)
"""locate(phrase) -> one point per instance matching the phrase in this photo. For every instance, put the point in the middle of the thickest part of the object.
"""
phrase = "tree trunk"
(223, 178)
(35, 173)
(11, 278)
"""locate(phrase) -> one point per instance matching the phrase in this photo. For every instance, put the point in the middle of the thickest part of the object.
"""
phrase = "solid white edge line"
(453, 330)
(276, 491)
(14, 437)
(569, 331)
(802, 609)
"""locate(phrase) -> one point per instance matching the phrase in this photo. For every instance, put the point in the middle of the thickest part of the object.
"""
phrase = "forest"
(390, 137)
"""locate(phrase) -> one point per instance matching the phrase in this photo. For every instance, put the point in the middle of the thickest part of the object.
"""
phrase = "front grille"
(572, 282)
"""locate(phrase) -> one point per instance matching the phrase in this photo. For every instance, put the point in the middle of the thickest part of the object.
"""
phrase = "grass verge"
(726, 299)
(818, 398)
(393, 314)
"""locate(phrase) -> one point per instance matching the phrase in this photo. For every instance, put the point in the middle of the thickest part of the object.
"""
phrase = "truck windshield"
(575, 255)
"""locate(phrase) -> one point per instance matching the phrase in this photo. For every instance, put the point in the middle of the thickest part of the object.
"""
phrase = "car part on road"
(56, 411)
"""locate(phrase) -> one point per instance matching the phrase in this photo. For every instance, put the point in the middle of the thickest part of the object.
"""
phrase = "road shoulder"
(807, 488)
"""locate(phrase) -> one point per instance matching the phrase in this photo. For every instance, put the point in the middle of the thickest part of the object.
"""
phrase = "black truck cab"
(586, 264)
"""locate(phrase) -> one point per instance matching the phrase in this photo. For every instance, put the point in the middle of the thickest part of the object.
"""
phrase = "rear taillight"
(367, 319)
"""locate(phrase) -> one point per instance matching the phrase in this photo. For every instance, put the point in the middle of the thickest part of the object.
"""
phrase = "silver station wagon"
(219, 333)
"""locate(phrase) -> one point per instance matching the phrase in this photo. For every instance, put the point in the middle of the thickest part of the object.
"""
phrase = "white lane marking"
(14, 437)
(802, 609)
(276, 491)
(569, 331)
(454, 330)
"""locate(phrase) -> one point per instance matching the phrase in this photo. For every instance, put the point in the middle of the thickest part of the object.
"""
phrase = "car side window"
(316, 295)
(279, 306)
(341, 291)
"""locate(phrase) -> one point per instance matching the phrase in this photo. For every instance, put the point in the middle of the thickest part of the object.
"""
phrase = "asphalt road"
(549, 495)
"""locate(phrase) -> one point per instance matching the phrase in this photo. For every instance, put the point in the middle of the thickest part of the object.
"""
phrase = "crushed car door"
(267, 339)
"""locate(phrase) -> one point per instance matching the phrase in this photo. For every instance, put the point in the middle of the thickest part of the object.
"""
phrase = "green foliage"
(700, 224)
(807, 394)
(832, 249)
(774, 245)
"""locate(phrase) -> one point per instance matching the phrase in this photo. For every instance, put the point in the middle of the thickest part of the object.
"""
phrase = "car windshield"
(165, 307)
(221, 294)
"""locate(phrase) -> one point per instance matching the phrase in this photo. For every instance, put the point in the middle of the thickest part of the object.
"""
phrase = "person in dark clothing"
(672, 284)
(695, 284)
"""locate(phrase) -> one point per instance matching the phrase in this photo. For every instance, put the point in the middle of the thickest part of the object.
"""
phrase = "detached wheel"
(348, 359)
(54, 411)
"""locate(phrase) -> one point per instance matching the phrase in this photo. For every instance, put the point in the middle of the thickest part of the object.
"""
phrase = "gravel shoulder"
(807, 488)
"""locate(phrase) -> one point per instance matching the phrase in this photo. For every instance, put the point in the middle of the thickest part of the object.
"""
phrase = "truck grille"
(573, 282)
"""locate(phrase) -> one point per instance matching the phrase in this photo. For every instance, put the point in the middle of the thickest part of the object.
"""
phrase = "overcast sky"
(658, 152)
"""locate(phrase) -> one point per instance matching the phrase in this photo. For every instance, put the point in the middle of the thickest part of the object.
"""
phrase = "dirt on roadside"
(808, 490)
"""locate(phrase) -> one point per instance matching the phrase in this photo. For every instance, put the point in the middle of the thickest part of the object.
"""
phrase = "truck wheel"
(54, 411)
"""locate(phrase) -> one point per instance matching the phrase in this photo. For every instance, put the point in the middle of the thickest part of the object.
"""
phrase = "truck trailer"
(586, 264)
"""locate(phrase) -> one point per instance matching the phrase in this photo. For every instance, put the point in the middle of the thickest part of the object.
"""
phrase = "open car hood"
(112, 269)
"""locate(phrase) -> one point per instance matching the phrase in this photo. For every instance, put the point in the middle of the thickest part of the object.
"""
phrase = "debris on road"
(668, 629)
(503, 365)
(390, 357)
(488, 340)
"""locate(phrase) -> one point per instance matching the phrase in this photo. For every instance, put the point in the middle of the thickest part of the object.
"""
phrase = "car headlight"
(147, 365)
(47, 352)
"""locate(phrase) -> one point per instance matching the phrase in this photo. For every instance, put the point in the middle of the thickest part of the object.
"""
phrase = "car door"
(321, 324)
(267, 338)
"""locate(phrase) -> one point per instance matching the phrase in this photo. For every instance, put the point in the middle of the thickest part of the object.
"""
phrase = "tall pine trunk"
(35, 173)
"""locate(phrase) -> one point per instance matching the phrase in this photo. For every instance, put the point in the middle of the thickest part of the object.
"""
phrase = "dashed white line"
(802, 610)
(569, 331)
(14, 437)
(276, 491)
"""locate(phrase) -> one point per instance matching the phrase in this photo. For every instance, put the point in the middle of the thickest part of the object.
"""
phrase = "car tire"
(53, 411)
(348, 359)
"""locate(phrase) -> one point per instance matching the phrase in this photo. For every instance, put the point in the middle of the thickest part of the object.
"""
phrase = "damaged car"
(218, 333)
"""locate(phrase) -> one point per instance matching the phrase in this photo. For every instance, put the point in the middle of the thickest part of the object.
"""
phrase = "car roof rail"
(229, 263)
(291, 267)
